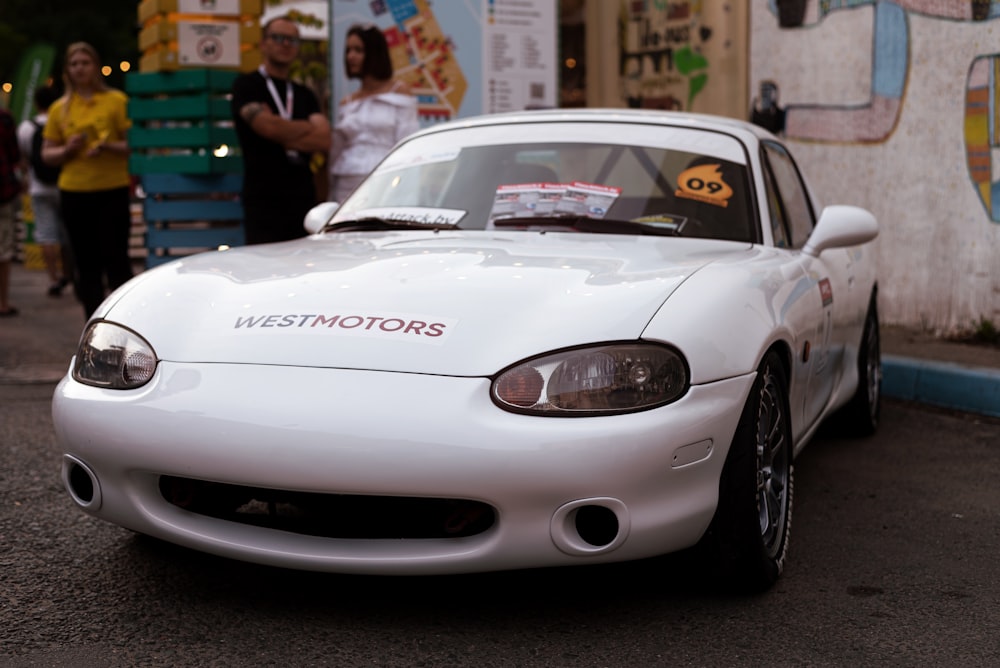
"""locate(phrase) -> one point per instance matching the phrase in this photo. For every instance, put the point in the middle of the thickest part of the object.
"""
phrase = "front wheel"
(748, 537)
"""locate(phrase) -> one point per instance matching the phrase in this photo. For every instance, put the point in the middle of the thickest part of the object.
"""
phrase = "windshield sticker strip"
(418, 215)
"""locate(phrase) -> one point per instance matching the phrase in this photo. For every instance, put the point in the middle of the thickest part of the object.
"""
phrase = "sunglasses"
(285, 40)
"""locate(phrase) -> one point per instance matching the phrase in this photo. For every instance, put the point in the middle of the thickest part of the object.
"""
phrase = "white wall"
(903, 156)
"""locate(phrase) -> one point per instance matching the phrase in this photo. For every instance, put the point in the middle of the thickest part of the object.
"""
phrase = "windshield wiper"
(369, 223)
(594, 225)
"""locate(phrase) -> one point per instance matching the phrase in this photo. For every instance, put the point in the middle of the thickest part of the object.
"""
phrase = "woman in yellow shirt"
(86, 135)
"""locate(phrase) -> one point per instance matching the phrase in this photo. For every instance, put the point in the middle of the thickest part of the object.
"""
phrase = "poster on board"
(519, 55)
(468, 58)
(209, 44)
(221, 7)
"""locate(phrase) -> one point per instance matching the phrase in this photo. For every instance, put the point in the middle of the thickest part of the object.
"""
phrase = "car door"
(822, 309)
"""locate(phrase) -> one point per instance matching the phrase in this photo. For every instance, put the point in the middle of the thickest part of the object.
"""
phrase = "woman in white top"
(372, 119)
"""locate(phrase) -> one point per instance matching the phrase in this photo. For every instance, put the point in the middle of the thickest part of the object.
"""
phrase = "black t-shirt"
(268, 171)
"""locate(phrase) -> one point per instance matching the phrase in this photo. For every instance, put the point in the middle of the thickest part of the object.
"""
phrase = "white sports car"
(537, 339)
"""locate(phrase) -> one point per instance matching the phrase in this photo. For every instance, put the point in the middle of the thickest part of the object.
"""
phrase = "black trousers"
(98, 225)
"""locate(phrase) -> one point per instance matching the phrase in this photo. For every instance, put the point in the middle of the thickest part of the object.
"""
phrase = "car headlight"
(114, 357)
(600, 380)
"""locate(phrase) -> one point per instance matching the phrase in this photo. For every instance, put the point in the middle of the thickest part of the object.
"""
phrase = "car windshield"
(578, 177)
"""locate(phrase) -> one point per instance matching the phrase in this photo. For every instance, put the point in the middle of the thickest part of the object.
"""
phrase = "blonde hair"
(73, 48)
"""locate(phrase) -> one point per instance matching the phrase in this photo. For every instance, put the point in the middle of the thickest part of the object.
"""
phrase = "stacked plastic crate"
(184, 148)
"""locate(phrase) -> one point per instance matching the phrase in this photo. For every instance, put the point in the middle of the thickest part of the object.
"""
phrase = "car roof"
(744, 130)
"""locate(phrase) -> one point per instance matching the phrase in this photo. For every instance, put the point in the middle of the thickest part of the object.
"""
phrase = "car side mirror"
(319, 215)
(840, 226)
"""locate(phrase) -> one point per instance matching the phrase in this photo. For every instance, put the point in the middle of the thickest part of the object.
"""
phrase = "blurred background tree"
(109, 25)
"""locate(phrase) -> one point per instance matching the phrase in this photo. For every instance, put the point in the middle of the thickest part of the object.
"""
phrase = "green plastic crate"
(203, 106)
(199, 135)
(184, 81)
(191, 163)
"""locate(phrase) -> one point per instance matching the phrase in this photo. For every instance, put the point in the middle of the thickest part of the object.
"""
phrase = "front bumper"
(376, 434)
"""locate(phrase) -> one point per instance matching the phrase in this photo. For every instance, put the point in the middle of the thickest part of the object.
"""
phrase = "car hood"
(449, 303)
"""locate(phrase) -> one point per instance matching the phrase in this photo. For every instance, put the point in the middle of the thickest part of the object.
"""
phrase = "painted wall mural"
(896, 105)
(982, 131)
(876, 120)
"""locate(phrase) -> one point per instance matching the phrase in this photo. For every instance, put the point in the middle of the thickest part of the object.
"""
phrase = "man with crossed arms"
(281, 128)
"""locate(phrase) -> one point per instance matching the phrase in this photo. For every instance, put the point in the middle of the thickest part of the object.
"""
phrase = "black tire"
(748, 538)
(861, 415)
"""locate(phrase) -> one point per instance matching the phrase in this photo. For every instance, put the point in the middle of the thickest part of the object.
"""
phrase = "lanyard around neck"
(284, 110)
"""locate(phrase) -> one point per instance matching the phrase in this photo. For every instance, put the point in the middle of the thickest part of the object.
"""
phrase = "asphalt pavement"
(36, 346)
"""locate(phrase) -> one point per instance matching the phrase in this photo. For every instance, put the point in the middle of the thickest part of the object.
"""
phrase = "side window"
(779, 226)
(791, 193)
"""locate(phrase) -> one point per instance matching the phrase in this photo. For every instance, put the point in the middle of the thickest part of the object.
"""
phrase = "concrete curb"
(969, 389)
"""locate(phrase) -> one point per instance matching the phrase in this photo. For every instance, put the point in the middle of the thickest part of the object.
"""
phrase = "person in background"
(373, 118)
(50, 234)
(10, 189)
(86, 135)
(281, 129)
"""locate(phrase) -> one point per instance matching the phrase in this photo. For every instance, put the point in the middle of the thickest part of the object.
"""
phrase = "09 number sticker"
(705, 184)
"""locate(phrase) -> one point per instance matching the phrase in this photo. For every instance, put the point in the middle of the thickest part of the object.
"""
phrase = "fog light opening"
(81, 483)
(596, 525)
